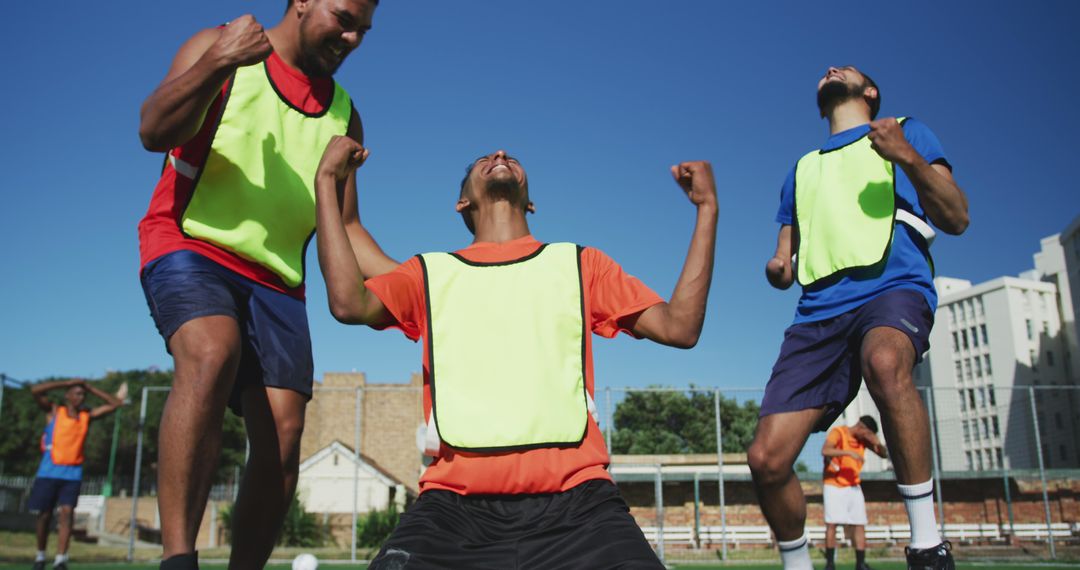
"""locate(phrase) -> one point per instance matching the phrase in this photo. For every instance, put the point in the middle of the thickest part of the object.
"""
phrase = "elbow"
(959, 225)
(687, 340)
(151, 140)
(345, 312)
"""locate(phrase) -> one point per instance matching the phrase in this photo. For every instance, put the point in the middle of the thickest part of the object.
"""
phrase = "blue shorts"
(820, 363)
(275, 342)
(48, 492)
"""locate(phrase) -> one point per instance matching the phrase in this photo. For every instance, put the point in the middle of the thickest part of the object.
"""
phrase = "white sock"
(40, 556)
(60, 559)
(795, 554)
(919, 502)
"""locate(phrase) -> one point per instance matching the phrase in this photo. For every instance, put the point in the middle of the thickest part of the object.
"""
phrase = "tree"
(674, 422)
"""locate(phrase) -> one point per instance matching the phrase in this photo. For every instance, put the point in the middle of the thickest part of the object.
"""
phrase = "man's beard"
(312, 58)
(834, 93)
(509, 190)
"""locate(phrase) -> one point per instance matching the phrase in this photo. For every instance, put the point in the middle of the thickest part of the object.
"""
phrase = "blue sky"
(596, 98)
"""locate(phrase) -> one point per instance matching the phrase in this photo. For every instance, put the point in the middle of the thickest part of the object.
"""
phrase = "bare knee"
(888, 376)
(767, 465)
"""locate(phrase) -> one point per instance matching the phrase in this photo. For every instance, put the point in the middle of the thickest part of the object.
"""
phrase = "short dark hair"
(288, 3)
(875, 104)
(465, 216)
(869, 422)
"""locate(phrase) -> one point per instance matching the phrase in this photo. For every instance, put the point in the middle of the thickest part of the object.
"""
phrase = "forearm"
(778, 270)
(173, 113)
(345, 289)
(688, 302)
(110, 399)
(41, 388)
(941, 198)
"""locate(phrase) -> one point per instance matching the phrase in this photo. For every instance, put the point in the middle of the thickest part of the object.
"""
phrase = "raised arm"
(678, 322)
(369, 256)
(39, 390)
(112, 401)
(350, 301)
(830, 450)
(942, 199)
(778, 270)
(173, 113)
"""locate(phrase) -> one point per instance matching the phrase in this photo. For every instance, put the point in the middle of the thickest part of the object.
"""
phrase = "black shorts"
(588, 526)
(820, 364)
(48, 492)
(275, 342)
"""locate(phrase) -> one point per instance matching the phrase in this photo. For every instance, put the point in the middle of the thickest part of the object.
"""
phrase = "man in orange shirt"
(845, 452)
(59, 476)
(519, 477)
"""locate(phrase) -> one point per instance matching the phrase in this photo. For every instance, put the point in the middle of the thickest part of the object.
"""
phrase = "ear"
(530, 208)
(462, 204)
(870, 92)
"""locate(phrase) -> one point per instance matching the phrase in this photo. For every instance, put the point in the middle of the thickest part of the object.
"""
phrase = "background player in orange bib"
(845, 453)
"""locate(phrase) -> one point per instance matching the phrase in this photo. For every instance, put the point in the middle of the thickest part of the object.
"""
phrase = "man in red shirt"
(845, 453)
(242, 115)
(519, 477)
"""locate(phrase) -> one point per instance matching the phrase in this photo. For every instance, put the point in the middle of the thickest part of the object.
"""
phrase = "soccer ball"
(305, 561)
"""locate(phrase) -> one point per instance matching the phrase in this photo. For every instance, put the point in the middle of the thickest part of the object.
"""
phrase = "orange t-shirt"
(843, 471)
(610, 296)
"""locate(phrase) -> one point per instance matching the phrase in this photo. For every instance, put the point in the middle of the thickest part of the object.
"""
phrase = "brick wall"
(966, 501)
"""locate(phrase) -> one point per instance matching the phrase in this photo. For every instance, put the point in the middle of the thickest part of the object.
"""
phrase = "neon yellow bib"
(255, 195)
(845, 208)
(507, 350)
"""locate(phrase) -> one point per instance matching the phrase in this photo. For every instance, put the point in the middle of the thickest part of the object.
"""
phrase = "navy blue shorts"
(48, 492)
(588, 526)
(275, 342)
(820, 363)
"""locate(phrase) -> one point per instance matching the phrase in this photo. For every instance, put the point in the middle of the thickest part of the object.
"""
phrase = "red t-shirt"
(159, 230)
(610, 296)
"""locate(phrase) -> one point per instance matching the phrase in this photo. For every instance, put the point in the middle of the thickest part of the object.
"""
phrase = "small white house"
(335, 478)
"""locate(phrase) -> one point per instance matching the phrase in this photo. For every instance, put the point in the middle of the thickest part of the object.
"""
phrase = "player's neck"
(848, 115)
(499, 223)
(284, 39)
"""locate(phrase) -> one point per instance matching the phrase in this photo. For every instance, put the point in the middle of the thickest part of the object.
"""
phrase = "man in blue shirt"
(855, 214)
(59, 477)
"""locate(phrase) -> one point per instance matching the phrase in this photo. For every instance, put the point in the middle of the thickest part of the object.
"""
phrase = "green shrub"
(300, 528)
(374, 527)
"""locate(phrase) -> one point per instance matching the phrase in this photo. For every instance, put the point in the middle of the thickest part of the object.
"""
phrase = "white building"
(990, 343)
(330, 477)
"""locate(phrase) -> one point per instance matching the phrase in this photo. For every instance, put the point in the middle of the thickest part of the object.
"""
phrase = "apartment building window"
(1030, 333)
(993, 398)
(1046, 328)
(974, 338)
(979, 305)
(982, 398)
(1000, 463)
(997, 430)
(964, 339)
(970, 466)
(959, 371)
(979, 459)
(971, 398)
(982, 329)
(967, 432)
(986, 361)
(963, 402)
(967, 368)
(1034, 360)
(986, 428)
(978, 367)
(952, 315)
(1049, 358)
(955, 342)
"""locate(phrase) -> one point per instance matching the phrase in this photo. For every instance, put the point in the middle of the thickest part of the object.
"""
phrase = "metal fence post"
(934, 454)
(659, 486)
(1042, 471)
(138, 473)
(356, 470)
(697, 510)
(1008, 504)
(608, 419)
(720, 475)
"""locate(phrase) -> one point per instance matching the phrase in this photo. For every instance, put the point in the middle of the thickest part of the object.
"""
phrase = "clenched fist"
(342, 156)
(696, 179)
(887, 139)
(242, 42)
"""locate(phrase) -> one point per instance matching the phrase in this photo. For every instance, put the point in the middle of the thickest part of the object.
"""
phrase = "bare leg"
(64, 523)
(274, 418)
(858, 534)
(887, 361)
(830, 535)
(44, 519)
(206, 352)
(777, 442)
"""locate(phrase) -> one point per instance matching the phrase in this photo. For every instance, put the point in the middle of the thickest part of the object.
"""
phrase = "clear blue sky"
(596, 98)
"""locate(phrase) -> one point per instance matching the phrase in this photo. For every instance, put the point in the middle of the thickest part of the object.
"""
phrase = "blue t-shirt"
(906, 267)
(50, 470)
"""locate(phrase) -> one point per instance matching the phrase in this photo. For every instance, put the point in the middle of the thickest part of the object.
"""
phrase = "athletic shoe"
(830, 566)
(39, 565)
(935, 558)
(60, 566)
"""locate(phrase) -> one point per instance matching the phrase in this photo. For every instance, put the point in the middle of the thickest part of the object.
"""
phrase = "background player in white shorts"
(844, 452)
